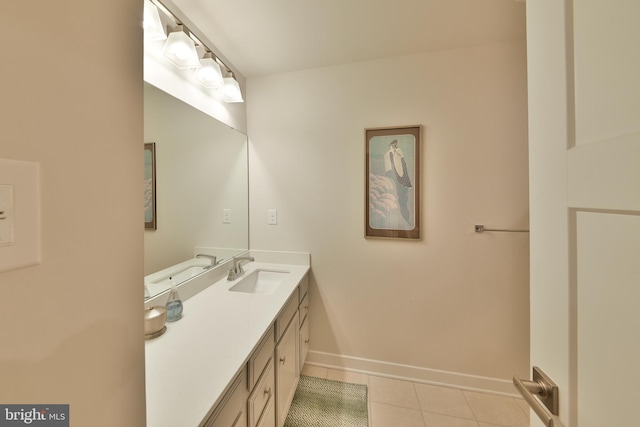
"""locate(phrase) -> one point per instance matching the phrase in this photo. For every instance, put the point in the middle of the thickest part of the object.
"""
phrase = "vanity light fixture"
(153, 28)
(231, 92)
(209, 74)
(180, 49)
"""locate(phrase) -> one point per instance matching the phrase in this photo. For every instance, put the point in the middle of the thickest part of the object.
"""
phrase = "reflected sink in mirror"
(159, 282)
(260, 282)
(181, 275)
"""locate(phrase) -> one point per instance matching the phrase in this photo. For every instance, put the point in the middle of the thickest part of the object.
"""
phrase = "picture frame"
(392, 176)
(150, 215)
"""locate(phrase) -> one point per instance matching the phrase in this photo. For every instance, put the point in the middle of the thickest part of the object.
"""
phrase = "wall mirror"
(201, 197)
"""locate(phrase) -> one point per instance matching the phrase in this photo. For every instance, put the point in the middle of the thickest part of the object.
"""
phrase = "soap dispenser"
(174, 304)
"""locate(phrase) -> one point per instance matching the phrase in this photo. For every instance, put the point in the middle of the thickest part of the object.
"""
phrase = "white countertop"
(189, 367)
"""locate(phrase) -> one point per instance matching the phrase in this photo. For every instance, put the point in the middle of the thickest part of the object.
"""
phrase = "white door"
(584, 137)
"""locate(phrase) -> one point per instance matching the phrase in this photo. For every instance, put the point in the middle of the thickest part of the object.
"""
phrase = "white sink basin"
(260, 282)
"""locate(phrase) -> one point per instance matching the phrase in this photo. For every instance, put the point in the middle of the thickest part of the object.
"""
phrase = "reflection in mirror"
(201, 191)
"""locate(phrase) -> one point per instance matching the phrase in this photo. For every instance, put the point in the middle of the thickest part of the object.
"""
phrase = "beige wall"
(455, 301)
(72, 328)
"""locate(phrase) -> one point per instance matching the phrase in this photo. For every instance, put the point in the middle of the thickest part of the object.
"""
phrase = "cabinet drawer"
(304, 308)
(260, 358)
(232, 410)
(286, 314)
(304, 287)
(262, 395)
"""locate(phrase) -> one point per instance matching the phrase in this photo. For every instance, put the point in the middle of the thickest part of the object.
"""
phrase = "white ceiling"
(271, 36)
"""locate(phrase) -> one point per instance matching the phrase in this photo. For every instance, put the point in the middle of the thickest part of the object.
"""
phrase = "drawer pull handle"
(306, 341)
(283, 359)
(268, 391)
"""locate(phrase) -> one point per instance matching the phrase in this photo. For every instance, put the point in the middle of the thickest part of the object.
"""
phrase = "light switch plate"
(226, 216)
(6, 215)
(272, 217)
(22, 213)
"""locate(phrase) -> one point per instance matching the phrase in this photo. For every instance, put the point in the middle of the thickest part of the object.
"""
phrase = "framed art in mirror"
(392, 195)
(150, 221)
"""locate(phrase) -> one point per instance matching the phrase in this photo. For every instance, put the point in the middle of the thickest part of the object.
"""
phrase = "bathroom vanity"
(235, 357)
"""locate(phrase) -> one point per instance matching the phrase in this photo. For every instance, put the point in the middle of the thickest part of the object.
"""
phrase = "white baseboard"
(412, 373)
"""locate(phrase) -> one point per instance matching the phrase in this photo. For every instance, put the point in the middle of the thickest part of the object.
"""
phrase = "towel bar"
(481, 229)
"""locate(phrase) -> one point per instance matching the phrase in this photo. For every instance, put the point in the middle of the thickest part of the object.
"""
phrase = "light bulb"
(152, 25)
(231, 92)
(209, 74)
(181, 50)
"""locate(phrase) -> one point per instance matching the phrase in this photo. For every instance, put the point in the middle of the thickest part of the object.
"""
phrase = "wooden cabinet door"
(304, 342)
(268, 418)
(286, 369)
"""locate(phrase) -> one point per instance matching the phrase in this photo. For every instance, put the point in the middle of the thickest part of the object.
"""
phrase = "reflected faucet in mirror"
(213, 258)
(237, 270)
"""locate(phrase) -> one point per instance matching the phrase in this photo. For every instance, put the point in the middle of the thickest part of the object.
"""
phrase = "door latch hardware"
(545, 404)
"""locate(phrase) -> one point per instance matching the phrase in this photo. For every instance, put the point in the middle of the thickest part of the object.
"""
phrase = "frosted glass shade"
(153, 29)
(181, 50)
(231, 92)
(209, 74)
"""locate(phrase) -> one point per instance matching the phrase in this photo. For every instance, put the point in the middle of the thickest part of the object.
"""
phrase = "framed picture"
(150, 220)
(392, 198)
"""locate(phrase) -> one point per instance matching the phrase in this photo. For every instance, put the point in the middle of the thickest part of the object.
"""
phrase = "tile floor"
(396, 403)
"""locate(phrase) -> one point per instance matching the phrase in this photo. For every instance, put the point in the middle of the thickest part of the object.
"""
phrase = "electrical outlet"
(226, 216)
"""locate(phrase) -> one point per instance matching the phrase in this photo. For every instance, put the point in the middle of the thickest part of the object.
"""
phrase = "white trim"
(412, 373)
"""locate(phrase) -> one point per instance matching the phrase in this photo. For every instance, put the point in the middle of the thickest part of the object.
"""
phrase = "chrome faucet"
(213, 258)
(237, 270)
